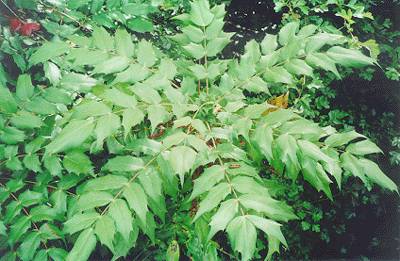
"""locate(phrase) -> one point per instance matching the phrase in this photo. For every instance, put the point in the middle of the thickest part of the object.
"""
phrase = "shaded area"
(375, 230)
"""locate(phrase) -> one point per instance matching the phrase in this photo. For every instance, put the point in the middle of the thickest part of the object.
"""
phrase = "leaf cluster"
(95, 149)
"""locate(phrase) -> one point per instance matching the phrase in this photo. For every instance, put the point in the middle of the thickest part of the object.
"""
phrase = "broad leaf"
(243, 235)
(73, 135)
(105, 231)
(182, 159)
(137, 200)
(122, 217)
(79, 222)
(92, 200)
(213, 198)
(123, 164)
(223, 216)
(83, 247)
(363, 148)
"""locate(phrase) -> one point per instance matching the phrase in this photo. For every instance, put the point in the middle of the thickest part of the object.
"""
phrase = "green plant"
(107, 140)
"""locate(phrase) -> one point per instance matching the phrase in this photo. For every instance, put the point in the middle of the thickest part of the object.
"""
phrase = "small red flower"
(28, 28)
(15, 24)
(23, 28)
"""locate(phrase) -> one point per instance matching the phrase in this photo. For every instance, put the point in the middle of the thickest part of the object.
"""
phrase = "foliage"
(109, 143)
(369, 24)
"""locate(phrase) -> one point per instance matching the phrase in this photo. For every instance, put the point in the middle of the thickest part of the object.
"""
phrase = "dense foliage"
(109, 142)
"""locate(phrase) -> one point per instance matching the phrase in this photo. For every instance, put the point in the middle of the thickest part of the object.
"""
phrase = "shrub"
(110, 144)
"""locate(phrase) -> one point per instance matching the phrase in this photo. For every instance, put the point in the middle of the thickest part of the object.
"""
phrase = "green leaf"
(288, 32)
(83, 247)
(18, 228)
(307, 30)
(79, 222)
(105, 231)
(349, 57)
(339, 139)
(108, 182)
(273, 247)
(11, 135)
(123, 164)
(135, 72)
(274, 209)
(90, 109)
(352, 165)
(77, 162)
(146, 94)
(243, 235)
(73, 135)
(200, 13)
(263, 138)
(112, 65)
(298, 67)
(197, 51)
(7, 101)
(269, 44)
(207, 180)
(194, 33)
(151, 183)
(199, 71)
(26, 120)
(157, 114)
(106, 126)
(278, 74)
(215, 28)
(313, 151)
(102, 39)
(223, 216)
(173, 252)
(145, 54)
(77, 82)
(363, 148)
(3, 229)
(57, 254)
(92, 200)
(24, 88)
(216, 45)
(140, 25)
(316, 42)
(213, 198)
(286, 152)
(122, 217)
(56, 95)
(247, 185)
(182, 159)
(32, 162)
(124, 44)
(271, 228)
(47, 51)
(119, 98)
(323, 61)
(257, 85)
(29, 198)
(242, 126)
(52, 72)
(41, 106)
(43, 213)
(137, 200)
(375, 174)
(130, 118)
(28, 248)
(59, 201)
(52, 164)
(314, 173)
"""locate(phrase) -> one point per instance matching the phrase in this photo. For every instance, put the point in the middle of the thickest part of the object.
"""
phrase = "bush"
(112, 146)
